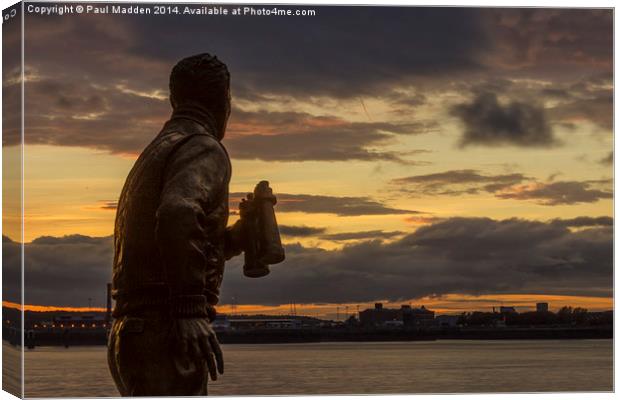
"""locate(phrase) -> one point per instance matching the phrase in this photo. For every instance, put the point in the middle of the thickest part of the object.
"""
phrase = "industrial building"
(223, 323)
(507, 310)
(393, 317)
(447, 321)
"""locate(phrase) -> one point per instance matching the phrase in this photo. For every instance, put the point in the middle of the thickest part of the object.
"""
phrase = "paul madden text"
(168, 9)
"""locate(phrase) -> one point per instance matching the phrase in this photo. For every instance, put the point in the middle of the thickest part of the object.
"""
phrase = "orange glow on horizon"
(444, 304)
(40, 308)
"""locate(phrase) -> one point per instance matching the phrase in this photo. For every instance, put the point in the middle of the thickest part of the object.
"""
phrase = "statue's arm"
(195, 178)
(233, 244)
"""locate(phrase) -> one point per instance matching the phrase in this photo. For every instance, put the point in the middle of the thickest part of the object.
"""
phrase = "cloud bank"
(456, 255)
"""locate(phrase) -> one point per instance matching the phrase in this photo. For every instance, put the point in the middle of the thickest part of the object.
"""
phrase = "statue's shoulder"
(184, 140)
(187, 136)
(198, 148)
(204, 143)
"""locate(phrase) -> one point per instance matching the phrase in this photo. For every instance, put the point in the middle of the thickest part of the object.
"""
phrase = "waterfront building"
(264, 323)
(392, 317)
(446, 321)
(542, 307)
(507, 309)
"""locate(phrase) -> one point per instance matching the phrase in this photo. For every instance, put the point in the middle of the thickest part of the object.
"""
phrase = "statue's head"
(202, 80)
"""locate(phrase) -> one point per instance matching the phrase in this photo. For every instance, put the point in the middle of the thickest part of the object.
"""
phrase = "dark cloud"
(568, 102)
(103, 75)
(342, 206)
(91, 115)
(398, 98)
(598, 109)
(64, 271)
(557, 193)
(514, 186)
(67, 240)
(458, 255)
(487, 122)
(543, 41)
(120, 120)
(108, 205)
(109, 75)
(297, 136)
(581, 222)
(343, 51)
(363, 235)
(11, 270)
(246, 123)
(471, 256)
(349, 141)
(312, 204)
(300, 231)
(85, 88)
(11, 79)
(340, 52)
(588, 99)
(423, 220)
(457, 182)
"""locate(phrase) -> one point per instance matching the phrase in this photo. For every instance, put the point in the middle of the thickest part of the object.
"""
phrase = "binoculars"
(262, 244)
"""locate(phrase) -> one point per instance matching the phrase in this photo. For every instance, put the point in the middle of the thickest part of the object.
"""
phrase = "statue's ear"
(172, 103)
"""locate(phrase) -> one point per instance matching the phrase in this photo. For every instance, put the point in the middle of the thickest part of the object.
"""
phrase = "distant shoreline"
(99, 337)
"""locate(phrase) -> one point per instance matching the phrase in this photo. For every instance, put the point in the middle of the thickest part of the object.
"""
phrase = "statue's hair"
(200, 78)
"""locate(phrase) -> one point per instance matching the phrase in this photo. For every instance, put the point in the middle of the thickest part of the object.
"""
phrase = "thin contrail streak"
(365, 110)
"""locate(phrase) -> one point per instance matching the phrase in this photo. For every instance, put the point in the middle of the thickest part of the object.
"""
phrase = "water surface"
(444, 366)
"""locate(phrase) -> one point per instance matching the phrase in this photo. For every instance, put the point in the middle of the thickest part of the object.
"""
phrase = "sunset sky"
(457, 158)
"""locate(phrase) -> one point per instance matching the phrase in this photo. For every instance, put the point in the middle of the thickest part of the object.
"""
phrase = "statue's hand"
(198, 343)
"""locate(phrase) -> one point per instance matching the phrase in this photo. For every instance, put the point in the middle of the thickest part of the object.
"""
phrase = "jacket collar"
(198, 115)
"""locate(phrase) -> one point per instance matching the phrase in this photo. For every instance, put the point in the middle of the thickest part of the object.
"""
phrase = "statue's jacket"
(170, 237)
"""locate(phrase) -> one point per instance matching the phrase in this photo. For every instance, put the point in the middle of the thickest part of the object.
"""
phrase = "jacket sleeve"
(233, 240)
(195, 178)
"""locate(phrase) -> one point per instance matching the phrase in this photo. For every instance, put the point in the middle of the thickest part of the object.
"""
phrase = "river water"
(444, 366)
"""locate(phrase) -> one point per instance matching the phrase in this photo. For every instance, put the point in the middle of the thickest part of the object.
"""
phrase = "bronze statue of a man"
(171, 241)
